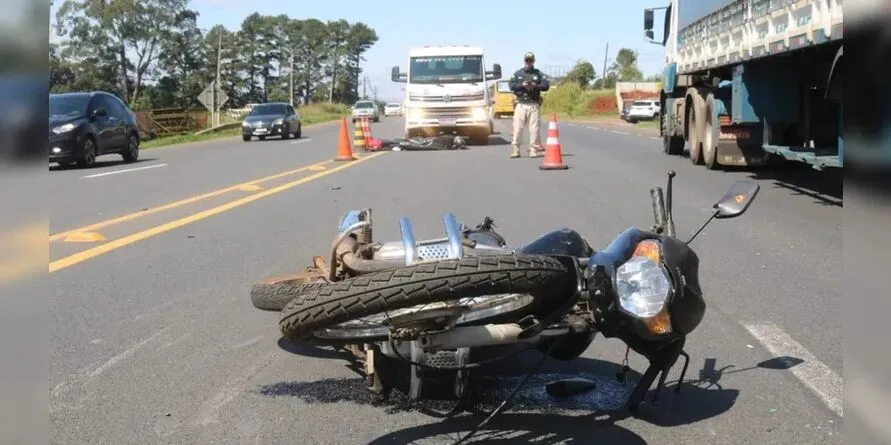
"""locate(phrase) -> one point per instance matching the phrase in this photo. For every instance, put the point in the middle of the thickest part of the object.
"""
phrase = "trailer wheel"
(710, 135)
(697, 124)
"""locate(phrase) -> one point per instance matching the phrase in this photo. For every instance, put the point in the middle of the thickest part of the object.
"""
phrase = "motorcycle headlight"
(643, 287)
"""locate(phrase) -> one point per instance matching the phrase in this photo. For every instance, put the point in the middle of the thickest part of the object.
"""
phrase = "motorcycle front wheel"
(488, 287)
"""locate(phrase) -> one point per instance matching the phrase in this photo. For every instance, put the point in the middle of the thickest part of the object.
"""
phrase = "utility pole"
(603, 74)
(291, 75)
(364, 86)
(216, 86)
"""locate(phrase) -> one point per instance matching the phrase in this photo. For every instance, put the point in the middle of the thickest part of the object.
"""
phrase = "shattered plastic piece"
(569, 387)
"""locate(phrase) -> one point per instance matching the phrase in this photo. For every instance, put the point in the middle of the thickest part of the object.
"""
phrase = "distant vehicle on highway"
(271, 119)
(393, 109)
(503, 99)
(366, 108)
(642, 110)
(86, 125)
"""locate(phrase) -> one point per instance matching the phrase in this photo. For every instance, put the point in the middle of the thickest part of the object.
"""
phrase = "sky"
(559, 33)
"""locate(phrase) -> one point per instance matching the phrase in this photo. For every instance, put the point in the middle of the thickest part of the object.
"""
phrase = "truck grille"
(446, 98)
(446, 111)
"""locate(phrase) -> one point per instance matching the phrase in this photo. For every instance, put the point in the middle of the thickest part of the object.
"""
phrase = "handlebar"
(659, 208)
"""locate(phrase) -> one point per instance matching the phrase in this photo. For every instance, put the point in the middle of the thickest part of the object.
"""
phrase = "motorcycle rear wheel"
(329, 305)
(274, 293)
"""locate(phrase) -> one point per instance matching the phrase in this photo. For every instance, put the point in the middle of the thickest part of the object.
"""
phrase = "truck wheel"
(697, 125)
(709, 138)
(672, 145)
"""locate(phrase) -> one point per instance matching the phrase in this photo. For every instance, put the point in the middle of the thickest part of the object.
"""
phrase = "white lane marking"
(61, 387)
(210, 411)
(128, 352)
(620, 132)
(300, 141)
(828, 385)
(655, 138)
(126, 170)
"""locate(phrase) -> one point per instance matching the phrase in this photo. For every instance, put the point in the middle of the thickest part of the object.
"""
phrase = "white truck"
(446, 92)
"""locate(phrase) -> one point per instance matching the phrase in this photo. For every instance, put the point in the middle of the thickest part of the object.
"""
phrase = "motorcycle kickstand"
(415, 386)
(677, 389)
(640, 391)
(462, 358)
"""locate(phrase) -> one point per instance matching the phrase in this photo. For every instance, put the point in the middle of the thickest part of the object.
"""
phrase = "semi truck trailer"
(747, 82)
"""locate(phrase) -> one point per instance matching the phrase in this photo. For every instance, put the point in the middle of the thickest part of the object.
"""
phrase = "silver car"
(366, 109)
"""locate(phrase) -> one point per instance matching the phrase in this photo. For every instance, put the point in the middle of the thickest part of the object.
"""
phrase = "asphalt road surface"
(154, 339)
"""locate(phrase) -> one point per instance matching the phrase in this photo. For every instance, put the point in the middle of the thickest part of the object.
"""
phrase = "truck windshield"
(446, 69)
(503, 86)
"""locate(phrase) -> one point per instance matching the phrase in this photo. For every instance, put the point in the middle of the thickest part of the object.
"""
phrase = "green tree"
(152, 53)
(181, 60)
(625, 66)
(338, 34)
(129, 32)
(582, 74)
(359, 39)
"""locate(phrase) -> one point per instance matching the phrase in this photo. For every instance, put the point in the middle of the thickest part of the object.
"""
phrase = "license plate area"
(448, 121)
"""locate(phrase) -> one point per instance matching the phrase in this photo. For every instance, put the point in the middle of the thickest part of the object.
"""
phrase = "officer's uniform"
(528, 108)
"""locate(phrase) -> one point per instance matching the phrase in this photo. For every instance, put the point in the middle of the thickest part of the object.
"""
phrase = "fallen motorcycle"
(431, 143)
(429, 303)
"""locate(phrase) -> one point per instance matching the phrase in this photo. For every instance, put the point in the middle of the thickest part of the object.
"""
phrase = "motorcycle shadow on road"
(533, 415)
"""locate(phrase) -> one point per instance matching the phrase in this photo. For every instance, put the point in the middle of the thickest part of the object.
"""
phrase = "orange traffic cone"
(344, 151)
(553, 158)
(367, 129)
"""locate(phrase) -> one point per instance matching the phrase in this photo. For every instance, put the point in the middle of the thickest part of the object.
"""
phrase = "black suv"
(83, 126)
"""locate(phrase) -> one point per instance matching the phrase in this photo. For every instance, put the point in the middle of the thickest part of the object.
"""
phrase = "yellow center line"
(139, 236)
(182, 202)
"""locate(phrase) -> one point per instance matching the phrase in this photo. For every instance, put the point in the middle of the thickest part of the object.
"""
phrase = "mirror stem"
(669, 222)
(710, 218)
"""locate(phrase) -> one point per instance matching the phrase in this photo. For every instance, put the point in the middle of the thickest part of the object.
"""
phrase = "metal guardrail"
(220, 127)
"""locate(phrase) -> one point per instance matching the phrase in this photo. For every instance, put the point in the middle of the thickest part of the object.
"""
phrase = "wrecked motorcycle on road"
(429, 303)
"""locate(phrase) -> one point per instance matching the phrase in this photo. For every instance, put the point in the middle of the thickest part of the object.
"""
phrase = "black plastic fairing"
(687, 306)
(620, 250)
(559, 242)
(486, 237)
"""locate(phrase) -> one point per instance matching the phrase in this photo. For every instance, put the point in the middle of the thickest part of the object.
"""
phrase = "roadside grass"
(309, 115)
(571, 102)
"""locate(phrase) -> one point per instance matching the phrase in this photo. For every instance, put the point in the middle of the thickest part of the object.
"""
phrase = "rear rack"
(434, 250)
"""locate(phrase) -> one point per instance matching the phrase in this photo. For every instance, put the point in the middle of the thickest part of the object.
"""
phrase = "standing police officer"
(527, 84)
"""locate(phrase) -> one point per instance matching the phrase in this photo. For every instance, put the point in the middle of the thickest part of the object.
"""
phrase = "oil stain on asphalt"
(608, 394)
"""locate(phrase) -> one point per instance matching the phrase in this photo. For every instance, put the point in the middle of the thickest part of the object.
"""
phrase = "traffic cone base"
(344, 151)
